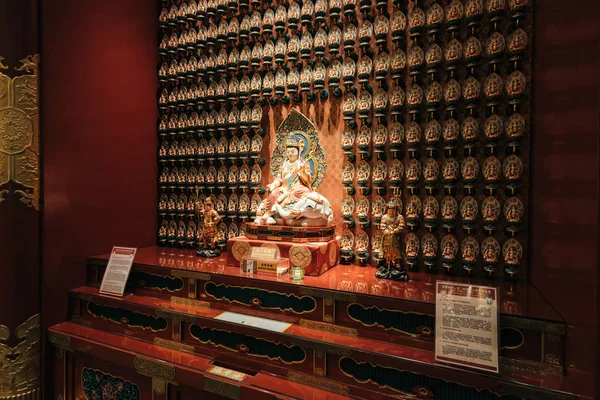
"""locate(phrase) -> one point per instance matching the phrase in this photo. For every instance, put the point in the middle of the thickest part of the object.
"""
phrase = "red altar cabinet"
(315, 249)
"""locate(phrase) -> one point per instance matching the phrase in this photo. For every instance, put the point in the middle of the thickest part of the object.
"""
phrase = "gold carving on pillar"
(20, 132)
(20, 365)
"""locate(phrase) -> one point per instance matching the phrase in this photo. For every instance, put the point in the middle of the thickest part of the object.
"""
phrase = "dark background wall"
(99, 113)
(99, 136)
(564, 174)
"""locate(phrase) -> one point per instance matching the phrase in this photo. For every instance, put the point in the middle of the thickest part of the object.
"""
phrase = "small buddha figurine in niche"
(513, 169)
(470, 251)
(513, 212)
(379, 175)
(173, 176)
(172, 231)
(162, 231)
(413, 171)
(172, 203)
(362, 247)
(396, 173)
(449, 211)
(491, 174)
(347, 207)
(222, 176)
(449, 249)
(181, 233)
(348, 138)
(348, 173)
(244, 205)
(162, 204)
(413, 209)
(490, 251)
(431, 209)
(430, 246)
(346, 245)
(378, 208)
(362, 211)
(255, 175)
(181, 203)
(221, 204)
(392, 224)
(490, 209)
(208, 218)
(362, 176)
(450, 175)
(468, 211)
(512, 252)
(191, 234)
(232, 206)
(412, 245)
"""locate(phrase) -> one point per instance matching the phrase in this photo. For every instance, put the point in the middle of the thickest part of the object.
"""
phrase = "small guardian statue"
(392, 224)
(208, 219)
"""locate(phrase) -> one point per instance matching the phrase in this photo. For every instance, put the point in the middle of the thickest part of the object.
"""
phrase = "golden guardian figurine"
(392, 224)
(208, 219)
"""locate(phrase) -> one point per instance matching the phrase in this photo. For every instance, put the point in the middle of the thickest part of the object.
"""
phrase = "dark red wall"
(99, 114)
(564, 174)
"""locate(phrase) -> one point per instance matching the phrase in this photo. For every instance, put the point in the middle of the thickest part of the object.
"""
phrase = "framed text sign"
(117, 271)
(466, 325)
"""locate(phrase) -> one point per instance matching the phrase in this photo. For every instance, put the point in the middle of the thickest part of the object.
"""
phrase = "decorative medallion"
(19, 132)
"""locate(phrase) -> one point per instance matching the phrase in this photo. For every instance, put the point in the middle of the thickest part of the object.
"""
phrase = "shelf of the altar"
(360, 367)
(89, 361)
(347, 300)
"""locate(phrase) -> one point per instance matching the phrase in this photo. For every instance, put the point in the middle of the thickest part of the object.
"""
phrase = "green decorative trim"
(405, 322)
(99, 385)
(144, 280)
(249, 296)
(127, 317)
(250, 345)
(414, 384)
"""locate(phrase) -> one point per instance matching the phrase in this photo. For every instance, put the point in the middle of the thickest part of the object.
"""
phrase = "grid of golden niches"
(440, 91)
(442, 97)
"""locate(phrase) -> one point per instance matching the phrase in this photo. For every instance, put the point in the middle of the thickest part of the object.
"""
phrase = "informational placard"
(264, 253)
(117, 271)
(228, 373)
(466, 325)
(249, 320)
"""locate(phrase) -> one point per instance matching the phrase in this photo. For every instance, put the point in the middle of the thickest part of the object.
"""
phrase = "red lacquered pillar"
(19, 201)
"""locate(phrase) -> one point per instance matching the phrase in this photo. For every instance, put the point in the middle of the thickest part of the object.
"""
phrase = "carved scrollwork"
(19, 132)
(19, 365)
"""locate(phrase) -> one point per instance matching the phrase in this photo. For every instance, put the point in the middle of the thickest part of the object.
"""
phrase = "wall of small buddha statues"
(428, 101)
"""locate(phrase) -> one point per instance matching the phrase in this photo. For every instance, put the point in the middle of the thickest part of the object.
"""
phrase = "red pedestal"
(316, 258)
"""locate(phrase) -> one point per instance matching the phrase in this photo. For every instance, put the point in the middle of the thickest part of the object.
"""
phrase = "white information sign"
(117, 271)
(263, 323)
(466, 325)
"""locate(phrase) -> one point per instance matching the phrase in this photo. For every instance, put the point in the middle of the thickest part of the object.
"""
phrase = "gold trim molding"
(325, 327)
(20, 365)
(318, 382)
(154, 369)
(222, 388)
(20, 132)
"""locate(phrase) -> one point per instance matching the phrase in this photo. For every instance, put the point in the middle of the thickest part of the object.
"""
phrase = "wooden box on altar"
(315, 257)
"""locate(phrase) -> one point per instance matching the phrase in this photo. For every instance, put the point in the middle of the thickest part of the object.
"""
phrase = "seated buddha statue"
(291, 199)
